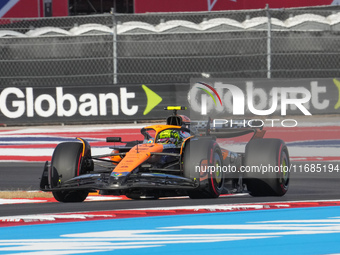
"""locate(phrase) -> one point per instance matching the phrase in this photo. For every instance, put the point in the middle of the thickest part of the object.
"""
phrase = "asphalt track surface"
(304, 186)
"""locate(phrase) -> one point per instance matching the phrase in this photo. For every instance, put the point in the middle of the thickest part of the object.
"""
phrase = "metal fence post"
(114, 46)
(269, 40)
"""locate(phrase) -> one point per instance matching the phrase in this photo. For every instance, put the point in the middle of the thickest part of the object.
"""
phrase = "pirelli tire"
(199, 155)
(266, 166)
(65, 164)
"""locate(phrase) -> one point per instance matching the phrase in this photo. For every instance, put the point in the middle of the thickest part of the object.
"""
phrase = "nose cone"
(132, 160)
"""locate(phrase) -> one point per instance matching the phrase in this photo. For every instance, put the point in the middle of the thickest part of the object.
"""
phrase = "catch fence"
(164, 48)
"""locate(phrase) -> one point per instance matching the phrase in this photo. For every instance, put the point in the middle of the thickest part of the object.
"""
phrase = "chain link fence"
(170, 47)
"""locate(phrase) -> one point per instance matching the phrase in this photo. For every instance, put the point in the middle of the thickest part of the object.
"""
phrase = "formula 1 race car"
(179, 158)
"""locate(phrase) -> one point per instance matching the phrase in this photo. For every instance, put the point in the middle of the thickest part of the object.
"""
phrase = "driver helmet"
(170, 136)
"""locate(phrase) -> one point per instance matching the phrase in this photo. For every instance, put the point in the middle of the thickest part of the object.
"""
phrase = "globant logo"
(37, 102)
(14, 103)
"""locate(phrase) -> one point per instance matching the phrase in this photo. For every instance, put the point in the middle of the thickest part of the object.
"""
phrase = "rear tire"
(66, 164)
(204, 153)
(270, 157)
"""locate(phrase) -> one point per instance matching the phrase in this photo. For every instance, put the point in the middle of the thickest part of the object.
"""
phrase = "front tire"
(70, 196)
(203, 162)
(66, 164)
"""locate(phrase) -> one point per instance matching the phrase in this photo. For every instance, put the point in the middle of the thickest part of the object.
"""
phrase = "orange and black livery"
(175, 158)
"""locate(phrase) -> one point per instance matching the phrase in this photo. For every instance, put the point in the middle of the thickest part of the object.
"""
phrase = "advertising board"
(33, 8)
(115, 103)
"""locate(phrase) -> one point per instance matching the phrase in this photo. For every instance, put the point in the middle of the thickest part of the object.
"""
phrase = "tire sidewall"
(66, 162)
(271, 158)
(203, 153)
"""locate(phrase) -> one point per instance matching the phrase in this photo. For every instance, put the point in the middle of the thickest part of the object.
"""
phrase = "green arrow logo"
(152, 99)
(337, 84)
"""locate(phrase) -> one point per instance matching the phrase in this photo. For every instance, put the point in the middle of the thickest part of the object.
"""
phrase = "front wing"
(105, 181)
